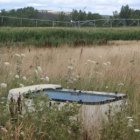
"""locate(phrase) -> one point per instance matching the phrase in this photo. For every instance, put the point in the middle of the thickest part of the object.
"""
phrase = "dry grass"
(110, 68)
(123, 56)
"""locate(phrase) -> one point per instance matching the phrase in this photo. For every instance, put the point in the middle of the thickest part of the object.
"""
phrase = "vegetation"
(96, 68)
(30, 17)
(127, 13)
(59, 36)
(30, 12)
(55, 122)
(46, 122)
(115, 69)
(27, 12)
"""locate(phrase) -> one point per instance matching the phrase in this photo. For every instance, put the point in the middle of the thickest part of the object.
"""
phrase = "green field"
(70, 36)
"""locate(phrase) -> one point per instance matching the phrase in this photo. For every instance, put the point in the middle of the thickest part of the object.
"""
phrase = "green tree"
(96, 16)
(89, 16)
(135, 14)
(115, 14)
(74, 15)
(62, 16)
(125, 12)
(3, 12)
(27, 12)
(82, 15)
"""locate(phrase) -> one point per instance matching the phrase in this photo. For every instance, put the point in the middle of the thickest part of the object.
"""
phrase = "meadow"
(55, 37)
(110, 67)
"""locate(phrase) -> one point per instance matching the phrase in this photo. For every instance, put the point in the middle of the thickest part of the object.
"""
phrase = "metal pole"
(53, 23)
(124, 22)
(1, 20)
(138, 23)
(78, 24)
(111, 23)
(36, 23)
(21, 22)
(94, 23)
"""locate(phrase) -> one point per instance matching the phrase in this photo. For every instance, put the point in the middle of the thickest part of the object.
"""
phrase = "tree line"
(76, 15)
(127, 13)
(30, 12)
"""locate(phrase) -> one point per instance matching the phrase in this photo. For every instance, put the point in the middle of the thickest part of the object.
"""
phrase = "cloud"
(8, 1)
(101, 6)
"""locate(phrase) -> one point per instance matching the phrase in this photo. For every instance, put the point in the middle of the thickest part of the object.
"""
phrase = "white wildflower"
(130, 123)
(11, 135)
(78, 76)
(39, 69)
(105, 64)
(21, 85)
(130, 120)
(23, 55)
(36, 72)
(24, 78)
(70, 67)
(17, 76)
(3, 129)
(47, 79)
(17, 55)
(6, 63)
(106, 87)
(3, 85)
(129, 117)
(92, 61)
(109, 63)
(10, 73)
(42, 78)
(22, 133)
(89, 60)
(120, 84)
(136, 130)
(74, 79)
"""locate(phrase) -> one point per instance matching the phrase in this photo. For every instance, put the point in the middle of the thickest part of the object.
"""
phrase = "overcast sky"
(105, 7)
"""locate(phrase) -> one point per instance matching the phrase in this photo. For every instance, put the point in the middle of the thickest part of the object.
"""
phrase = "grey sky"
(105, 7)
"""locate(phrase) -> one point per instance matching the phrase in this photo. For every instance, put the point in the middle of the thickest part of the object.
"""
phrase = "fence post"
(138, 23)
(78, 24)
(21, 22)
(52, 23)
(94, 23)
(111, 23)
(36, 23)
(124, 22)
(1, 20)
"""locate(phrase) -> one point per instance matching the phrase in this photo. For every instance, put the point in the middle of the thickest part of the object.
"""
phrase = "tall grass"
(61, 36)
(103, 68)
